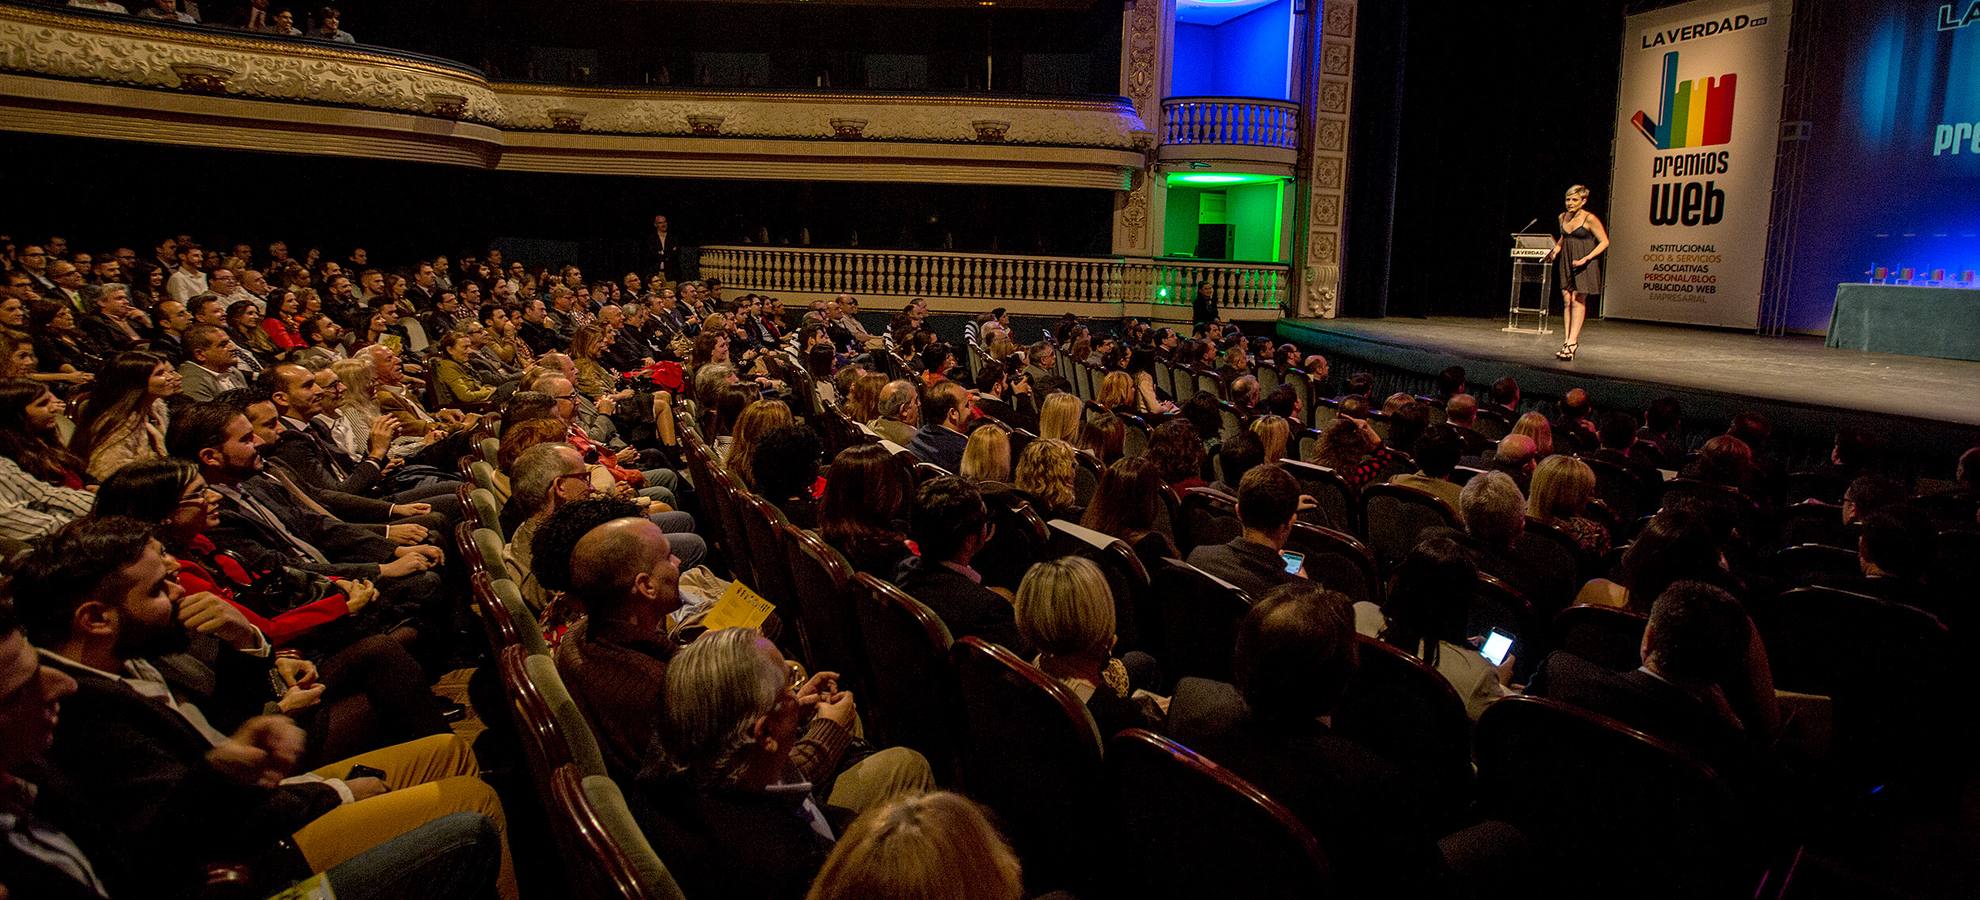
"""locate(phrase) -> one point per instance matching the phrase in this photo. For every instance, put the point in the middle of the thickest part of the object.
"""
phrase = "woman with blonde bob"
(987, 456)
(1065, 609)
(937, 846)
(1062, 418)
(1562, 488)
(1117, 393)
(1045, 477)
(1535, 426)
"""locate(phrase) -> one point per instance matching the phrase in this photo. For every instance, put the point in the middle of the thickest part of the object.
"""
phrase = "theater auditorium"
(988, 449)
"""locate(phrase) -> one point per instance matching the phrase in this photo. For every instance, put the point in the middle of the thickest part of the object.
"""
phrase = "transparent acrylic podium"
(1532, 283)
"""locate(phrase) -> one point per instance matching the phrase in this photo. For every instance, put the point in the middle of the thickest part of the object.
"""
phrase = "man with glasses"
(68, 286)
(34, 263)
(20, 287)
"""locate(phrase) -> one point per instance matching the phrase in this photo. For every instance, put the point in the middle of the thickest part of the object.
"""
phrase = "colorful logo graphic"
(1689, 113)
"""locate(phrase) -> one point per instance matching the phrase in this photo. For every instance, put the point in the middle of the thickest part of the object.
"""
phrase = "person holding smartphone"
(1426, 617)
(1268, 499)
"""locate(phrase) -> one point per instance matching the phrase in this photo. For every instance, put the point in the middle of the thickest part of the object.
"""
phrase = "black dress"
(1584, 279)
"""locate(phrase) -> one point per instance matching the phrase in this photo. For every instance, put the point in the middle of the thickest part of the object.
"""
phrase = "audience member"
(1238, 455)
(1066, 611)
(987, 457)
(944, 431)
(1044, 478)
(1427, 614)
(924, 847)
(950, 524)
(1268, 499)
(1436, 457)
(728, 783)
(1294, 658)
(866, 500)
(786, 467)
(1562, 489)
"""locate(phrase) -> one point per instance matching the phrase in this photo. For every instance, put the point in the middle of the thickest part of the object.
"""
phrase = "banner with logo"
(1697, 126)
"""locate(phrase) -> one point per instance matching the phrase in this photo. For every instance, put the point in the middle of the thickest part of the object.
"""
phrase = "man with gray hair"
(109, 319)
(1494, 514)
(542, 478)
(900, 413)
(740, 769)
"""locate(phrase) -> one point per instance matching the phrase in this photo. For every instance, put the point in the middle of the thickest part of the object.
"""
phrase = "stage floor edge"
(1929, 405)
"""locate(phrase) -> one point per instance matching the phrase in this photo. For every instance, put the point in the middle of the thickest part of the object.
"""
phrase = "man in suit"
(942, 437)
(168, 792)
(1006, 399)
(1294, 658)
(262, 519)
(296, 398)
(1694, 689)
(109, 319)
(1268, 499)
(1461, 417)
(209, 369)
(660, 250)
(950, 524)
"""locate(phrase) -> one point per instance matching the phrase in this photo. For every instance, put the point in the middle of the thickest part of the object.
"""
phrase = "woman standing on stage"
(1579, 244)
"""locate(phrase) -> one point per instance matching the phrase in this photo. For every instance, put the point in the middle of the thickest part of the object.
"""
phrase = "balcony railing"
(994, 277)
(1230, 120)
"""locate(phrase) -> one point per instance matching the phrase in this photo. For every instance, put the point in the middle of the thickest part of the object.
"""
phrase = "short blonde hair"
(1561, 489)
(1117, 390)
(1577, 190)
(987, 457)
(1275, 433)
(1065, 609)
(1062, 417)
(937, 846)
(1535, 426)
(1045, 471)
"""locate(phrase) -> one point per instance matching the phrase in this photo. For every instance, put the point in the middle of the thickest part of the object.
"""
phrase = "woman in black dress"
(1579, 244)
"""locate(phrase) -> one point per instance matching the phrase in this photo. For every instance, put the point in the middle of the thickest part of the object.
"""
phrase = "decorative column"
(1328, 90)
(1145, 44)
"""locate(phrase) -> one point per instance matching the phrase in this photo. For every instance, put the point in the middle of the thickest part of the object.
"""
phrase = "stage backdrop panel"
(1697, 125)
(1891, 182)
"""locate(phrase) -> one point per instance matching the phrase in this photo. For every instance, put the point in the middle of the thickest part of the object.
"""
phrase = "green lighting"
(1162, 293)
(1220, 179)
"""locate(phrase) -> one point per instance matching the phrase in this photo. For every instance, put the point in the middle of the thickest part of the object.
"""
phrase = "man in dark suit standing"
(950, 524)
(660, 251)
(1268, 498)
(1295, 656)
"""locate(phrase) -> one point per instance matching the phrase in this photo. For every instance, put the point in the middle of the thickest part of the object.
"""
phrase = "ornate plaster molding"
(57, 44)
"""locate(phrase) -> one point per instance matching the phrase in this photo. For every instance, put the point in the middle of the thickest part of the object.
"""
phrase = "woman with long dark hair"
(123, 416)
(58, 343)
(28, 436)
(373, 692)
(1126, 505)
(284, 317)
(866, 496)
(1426, 617)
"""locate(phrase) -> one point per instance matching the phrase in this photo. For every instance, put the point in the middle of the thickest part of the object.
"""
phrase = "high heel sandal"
(1567, 352)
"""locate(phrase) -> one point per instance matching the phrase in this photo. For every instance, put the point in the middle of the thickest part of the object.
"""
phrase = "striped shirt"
(31, 508)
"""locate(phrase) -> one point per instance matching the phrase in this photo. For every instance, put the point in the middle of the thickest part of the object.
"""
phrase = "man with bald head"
(1461, 416)
(1517, 456)
(625, 575)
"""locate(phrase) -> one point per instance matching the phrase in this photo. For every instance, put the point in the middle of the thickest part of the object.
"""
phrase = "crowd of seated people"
(234, 544)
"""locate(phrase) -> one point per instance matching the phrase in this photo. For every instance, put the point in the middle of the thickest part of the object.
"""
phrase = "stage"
(1925, 407)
